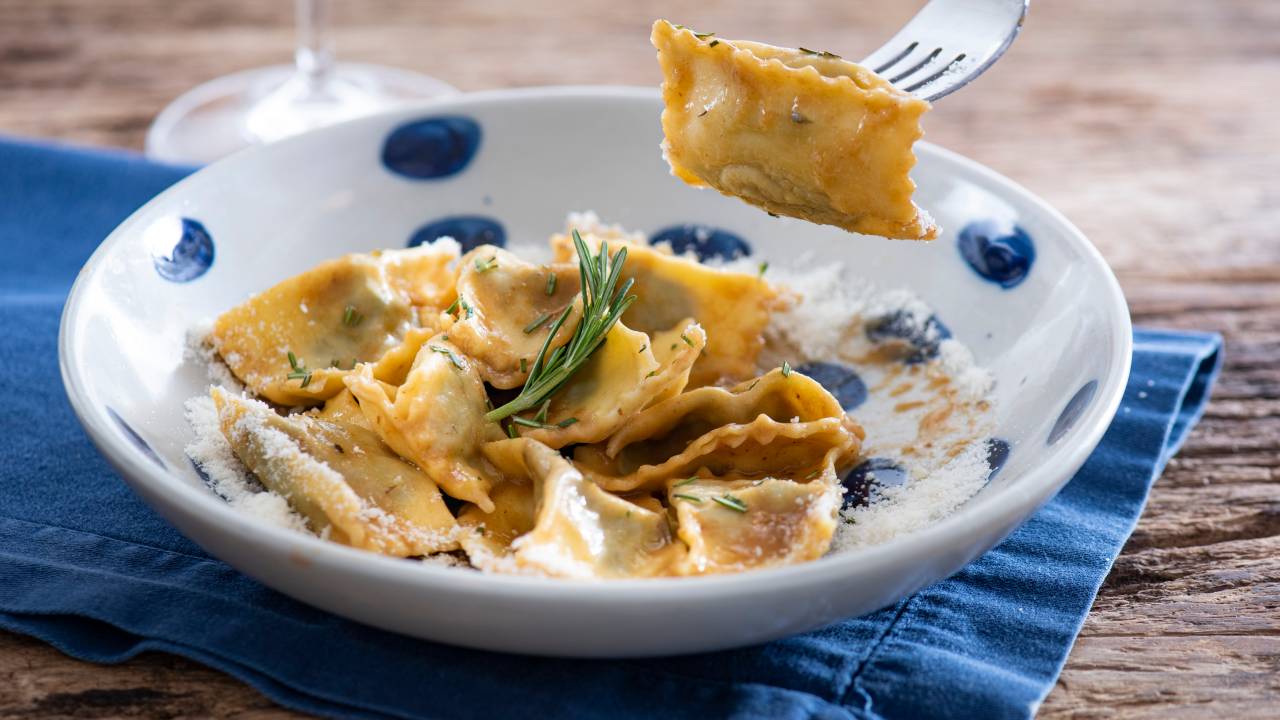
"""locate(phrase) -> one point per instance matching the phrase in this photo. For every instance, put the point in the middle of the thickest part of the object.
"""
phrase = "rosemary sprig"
(603, 302)
(550, 289)
(452, 357)
(298, 370)
(690, 498)
(352, 317)
(536, 323)
(731, 502)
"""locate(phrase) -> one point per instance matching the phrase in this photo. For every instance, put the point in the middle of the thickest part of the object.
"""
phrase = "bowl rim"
(1009, 508)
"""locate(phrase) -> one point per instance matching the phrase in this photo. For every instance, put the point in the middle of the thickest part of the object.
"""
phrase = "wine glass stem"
(314, 54)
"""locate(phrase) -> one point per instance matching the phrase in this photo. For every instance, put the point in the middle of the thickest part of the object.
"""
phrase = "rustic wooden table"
(1155, 126)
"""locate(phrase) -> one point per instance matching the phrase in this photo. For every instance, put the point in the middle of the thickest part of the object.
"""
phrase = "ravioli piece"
(622, 378)
(505, 311)
(343, 408)
(761, 448)
(340, 477)
(774, 426)
(746, 525)
(435, 419)
(732, 307)
(794, 132)
(293, 343)
(582, 531)
(488, 544)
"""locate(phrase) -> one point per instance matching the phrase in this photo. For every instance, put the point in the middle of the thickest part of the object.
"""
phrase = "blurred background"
(1155, 111)
(1153, 125)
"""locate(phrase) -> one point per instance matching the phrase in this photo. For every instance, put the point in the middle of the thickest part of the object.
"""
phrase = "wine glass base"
(247, 108)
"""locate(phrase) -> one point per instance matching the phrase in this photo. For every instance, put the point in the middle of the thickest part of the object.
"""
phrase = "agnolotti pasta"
(793, 131)
(596, 417)
(733, 307)
(293, 343)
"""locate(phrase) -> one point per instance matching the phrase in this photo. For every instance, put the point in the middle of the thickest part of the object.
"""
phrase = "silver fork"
(948, 44)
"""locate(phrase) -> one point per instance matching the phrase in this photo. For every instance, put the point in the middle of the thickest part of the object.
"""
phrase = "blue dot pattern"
(840, 380)
(874, 472)
(1072, 412)
(190, 257)
(471, 231)
(997, 454)
(432, 148)
(998, 253)
(920, 340)
(708, 243)
(135, 438)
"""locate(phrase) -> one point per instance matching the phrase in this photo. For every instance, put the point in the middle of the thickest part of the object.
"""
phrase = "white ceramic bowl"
(1058, 344)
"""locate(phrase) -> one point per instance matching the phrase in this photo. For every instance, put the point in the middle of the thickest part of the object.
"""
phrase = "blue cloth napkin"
(88, 568)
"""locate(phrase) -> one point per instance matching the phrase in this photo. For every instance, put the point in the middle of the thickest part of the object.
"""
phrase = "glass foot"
(257, 106)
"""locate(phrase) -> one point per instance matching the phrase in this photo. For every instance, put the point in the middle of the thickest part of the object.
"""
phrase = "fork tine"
(947, 44)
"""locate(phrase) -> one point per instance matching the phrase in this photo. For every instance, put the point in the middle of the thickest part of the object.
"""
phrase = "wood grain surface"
(1154, 125)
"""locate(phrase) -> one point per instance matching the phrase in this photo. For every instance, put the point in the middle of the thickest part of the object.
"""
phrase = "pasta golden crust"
(435, 419)
(619, 381)
(778, 425)
(501, 301)
(797, 133)
(733, 307)
(340, 477)
(745, 525)
(580, 530)
(294, 342)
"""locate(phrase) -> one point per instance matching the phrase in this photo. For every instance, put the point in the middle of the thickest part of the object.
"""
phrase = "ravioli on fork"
(793, 131)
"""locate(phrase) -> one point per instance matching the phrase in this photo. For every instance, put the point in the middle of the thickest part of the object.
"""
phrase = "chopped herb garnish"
(703, 36)
(298, 370)
(603, 302)
(465, 307)
(449, 310)
(334, 364)
(773, 214)
(524, 365)
(352, 317)
(642, 348)
(550, 289)
(786, 369)
(651, 373)
(567, 422)
(690, 498)
(812, 475)
(819, 53)
(714, 43)
(686, 481)
(673, 346)
(452, 357)
(511, 431)
(484, 266)
(798, 119)
(480, 529)
(704, 112)
(686, 340)
(753, 385)
(537, 323)
(764, 267)
(731, 502)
